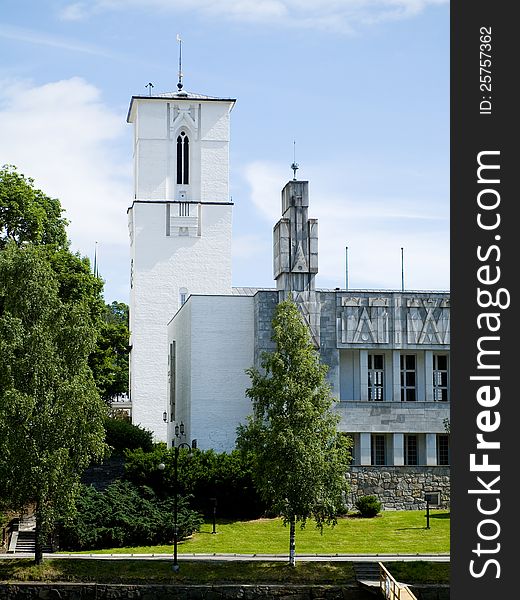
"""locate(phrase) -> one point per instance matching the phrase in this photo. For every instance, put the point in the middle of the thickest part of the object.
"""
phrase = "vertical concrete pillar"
(431, 449)
(363, 374)
(428, 375)
(398, 449)
(396, 375)
(365, 443)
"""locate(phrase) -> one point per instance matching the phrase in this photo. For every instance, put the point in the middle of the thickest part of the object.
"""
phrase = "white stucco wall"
(164, 258)
(222, 331)
(157, 124)
(162, 265)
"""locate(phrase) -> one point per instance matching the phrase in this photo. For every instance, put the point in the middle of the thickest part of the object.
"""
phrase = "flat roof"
(182, 95)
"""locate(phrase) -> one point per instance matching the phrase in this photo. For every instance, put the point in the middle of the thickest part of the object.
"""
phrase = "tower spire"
(179, 83)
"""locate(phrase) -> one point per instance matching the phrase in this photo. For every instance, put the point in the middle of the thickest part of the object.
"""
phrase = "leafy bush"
(121, 434)
(125, 515)
(368, 506)
(203, 474)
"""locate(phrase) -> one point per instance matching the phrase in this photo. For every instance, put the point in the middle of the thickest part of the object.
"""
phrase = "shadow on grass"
(440, 516)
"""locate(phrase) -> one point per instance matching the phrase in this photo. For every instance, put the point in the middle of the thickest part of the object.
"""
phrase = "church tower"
(295, 254)
(180, 230)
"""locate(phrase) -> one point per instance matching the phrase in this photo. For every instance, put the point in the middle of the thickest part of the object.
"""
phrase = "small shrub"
(368, 506)
(125, 515)
(122, 435)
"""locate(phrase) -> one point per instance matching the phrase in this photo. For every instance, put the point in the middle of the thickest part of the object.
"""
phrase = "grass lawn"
(402, 532)
(209, 572)
(160, 571)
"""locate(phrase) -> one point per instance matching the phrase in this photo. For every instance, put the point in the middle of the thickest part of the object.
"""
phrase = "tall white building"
(180, 229)
(193, 336)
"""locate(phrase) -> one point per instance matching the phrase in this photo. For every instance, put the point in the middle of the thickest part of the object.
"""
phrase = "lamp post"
(179, 432)
(431, 498)
(214, 503)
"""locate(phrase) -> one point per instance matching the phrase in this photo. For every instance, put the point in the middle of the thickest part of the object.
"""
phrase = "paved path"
(246, 557)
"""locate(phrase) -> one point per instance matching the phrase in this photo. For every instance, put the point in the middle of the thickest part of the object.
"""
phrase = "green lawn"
(191, 572)
(402, 532)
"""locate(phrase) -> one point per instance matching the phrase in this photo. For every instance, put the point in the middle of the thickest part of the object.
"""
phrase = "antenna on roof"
(96, 268)
(149, 86)
(402, 269)
(295, 166)
(179, 84)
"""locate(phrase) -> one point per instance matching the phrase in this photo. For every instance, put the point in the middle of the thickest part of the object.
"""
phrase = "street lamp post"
(179, 432)
(214, 503)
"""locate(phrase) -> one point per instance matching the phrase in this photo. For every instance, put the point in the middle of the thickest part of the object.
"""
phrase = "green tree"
(299, 458)
(109, 361)
(51, 416)
(27, 214)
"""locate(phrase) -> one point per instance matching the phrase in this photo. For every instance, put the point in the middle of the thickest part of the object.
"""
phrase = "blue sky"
(361, 85)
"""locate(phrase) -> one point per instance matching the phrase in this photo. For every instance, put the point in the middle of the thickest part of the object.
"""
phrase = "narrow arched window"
(183, 158)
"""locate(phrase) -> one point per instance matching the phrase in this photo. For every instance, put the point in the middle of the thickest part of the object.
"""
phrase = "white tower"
(180, 230)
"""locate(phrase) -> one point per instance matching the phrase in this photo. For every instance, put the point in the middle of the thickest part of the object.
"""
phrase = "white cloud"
(374, 229)
(333, 15)
(63, 136)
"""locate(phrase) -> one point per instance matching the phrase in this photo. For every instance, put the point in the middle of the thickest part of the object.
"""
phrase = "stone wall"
(399, 488)
(84, 591)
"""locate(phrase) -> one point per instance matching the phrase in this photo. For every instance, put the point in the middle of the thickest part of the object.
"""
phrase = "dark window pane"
(410, 379)
(378, 361)
(410, 362)
(179, 159)
(442, 362)
(410, 395)
(186, 160)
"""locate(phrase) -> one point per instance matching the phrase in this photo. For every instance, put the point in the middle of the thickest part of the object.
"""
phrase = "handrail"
(390, 588)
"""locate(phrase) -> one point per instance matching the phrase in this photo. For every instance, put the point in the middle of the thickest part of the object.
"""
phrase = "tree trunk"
(38, 549)
(292, 542)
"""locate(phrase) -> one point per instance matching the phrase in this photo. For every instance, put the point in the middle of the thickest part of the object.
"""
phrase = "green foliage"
(109, 361)
(202, 475)
(299, 459)
(368, 506)
(125, 514)
(27, 214)
(51, 417)
(122, 435)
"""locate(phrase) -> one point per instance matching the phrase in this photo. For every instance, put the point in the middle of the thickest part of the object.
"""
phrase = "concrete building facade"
(194, 336)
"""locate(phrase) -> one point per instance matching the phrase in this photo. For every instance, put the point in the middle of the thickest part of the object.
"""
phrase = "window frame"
(375, 452)
(183, 158)
(376, 379)
(404, 371)
(414, 451)
(441, 388)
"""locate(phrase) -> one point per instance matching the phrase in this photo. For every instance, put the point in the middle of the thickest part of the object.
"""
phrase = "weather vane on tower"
(179, 84)
(295, 166)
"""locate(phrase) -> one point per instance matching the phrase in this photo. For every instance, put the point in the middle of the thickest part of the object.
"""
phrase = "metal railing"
(390, 588)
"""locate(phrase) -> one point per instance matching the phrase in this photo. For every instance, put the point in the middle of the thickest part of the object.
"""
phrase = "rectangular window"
(443, 449)
(440, 377)
(378, 450)
(408, 378)
(410, 449)
(184, 209)
(376, 372)
(171, 361)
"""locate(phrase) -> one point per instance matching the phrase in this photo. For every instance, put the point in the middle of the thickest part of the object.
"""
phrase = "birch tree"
(51, 416)
(299, 458)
